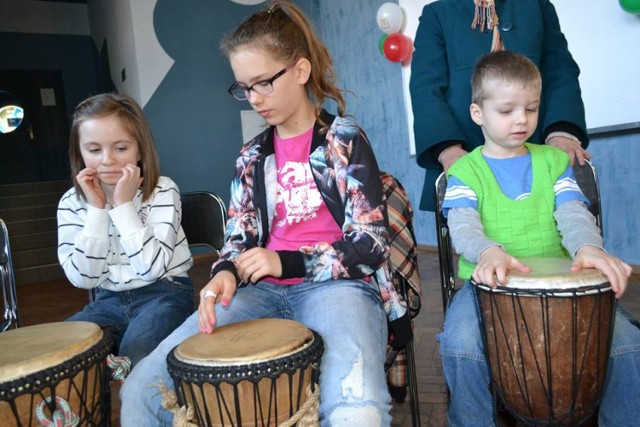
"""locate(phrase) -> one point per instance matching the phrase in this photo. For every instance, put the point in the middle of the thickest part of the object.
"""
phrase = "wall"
(197, 124)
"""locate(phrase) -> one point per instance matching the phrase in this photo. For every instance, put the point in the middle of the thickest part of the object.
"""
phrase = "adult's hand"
(572, 148)
(450, 155)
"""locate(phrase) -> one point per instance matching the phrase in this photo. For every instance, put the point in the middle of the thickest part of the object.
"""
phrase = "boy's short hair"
(504, 66)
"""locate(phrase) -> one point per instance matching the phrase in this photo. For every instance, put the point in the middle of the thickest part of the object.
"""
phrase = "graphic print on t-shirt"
(298, 198)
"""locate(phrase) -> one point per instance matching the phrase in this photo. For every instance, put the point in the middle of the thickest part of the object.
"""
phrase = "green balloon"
(631, 6)
(381, 43)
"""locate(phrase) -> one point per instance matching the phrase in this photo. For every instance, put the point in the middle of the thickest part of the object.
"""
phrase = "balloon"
(631, 6)
(397, 47)
(383, 37)
(389, 18)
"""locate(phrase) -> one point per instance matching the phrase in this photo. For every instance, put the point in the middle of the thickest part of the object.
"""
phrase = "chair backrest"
(588, 183)
(204, 217)
(586, 179)
(8, 282)
(445, 247)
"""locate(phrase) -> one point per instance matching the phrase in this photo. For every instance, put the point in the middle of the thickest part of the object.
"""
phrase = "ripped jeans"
(348, 314)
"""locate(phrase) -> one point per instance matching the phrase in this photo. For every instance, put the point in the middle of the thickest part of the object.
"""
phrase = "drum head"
(554, 273)
(31, 349)
(244, 342)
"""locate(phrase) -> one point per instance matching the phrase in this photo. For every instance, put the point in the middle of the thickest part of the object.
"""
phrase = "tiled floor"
(54, 301)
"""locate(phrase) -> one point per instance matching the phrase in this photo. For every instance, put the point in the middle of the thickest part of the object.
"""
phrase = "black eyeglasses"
(241, 92)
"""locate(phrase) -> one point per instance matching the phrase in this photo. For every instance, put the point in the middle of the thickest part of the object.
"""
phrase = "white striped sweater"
(123, 248)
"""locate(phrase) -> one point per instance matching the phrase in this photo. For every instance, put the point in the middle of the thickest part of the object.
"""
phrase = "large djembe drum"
(54, 374)
(256, 373)
(547, 338)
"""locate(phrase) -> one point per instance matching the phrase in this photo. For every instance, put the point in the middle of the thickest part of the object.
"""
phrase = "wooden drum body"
(53, 370)
(547, 338)
(253, 373)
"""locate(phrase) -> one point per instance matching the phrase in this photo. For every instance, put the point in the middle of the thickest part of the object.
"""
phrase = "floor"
(55, 301)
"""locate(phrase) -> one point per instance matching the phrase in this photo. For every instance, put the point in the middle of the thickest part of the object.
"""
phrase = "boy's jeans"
(467, 373)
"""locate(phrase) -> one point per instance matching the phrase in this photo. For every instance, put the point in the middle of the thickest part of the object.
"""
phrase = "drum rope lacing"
(183, 416)
(62, 417)
(120, 367)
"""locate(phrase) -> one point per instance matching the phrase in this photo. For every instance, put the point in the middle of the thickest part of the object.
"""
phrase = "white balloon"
(389, 18)
(248, 2)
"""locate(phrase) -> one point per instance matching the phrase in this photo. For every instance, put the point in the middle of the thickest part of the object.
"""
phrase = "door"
(36, 150)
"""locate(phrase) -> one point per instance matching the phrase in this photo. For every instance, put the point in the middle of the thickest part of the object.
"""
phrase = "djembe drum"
(257, 373)
(547, 337)
(54, 372)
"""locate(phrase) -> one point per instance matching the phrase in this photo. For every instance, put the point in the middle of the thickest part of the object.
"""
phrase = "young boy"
(509, 199)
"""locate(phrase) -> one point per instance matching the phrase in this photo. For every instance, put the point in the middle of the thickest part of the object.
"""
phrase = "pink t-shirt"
(301, 217)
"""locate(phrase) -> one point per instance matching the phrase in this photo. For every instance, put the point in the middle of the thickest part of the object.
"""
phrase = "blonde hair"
(284, 31)
(132, 119)
(503, 66)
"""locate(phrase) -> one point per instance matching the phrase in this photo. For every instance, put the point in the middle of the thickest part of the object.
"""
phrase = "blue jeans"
(140, 318)
(348, 314)
(466, 371)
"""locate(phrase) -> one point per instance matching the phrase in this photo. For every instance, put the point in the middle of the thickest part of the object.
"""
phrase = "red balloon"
(397, 47)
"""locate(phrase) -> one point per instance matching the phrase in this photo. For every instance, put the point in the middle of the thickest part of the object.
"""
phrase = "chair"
(8, 281)
(400, 363)
(204, 217)
(587, 181)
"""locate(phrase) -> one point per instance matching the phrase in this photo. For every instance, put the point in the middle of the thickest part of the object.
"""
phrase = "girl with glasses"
(306, 237)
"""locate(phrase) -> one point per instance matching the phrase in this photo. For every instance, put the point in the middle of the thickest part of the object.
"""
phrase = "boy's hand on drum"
(256, 263)
(220, 288)
(616, 270)
(493, 266)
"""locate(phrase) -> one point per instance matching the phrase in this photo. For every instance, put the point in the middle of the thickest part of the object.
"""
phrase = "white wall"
(127, 26)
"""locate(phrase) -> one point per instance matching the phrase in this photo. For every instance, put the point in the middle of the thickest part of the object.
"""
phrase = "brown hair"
(133, 120)
(284, 31)
(504, 66)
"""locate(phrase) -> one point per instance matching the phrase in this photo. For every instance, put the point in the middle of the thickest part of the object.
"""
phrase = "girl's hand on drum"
(256, 263)
(616, 270)
(493, 266)
(220, 288)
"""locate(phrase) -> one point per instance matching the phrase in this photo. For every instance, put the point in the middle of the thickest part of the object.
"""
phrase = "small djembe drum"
(256, 373)
(547, 337)
(54, 374)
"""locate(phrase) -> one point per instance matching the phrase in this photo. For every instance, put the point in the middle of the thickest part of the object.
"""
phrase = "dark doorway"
(36, 150)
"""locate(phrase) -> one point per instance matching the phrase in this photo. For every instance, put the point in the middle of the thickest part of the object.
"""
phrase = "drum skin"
(547, 338)
(252, 373)
(65, 360)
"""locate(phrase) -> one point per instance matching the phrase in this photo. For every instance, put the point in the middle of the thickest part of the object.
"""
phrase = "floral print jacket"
(348, 178)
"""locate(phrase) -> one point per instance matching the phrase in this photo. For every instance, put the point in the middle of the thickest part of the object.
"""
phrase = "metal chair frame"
(8, 280)
(204, 217)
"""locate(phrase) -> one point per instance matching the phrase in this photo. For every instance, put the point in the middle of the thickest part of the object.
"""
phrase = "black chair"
(587, 181)
(7, 278)
(400, 363)
(204, 217)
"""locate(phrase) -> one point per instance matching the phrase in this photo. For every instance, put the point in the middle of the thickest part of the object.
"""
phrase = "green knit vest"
(525, 228)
